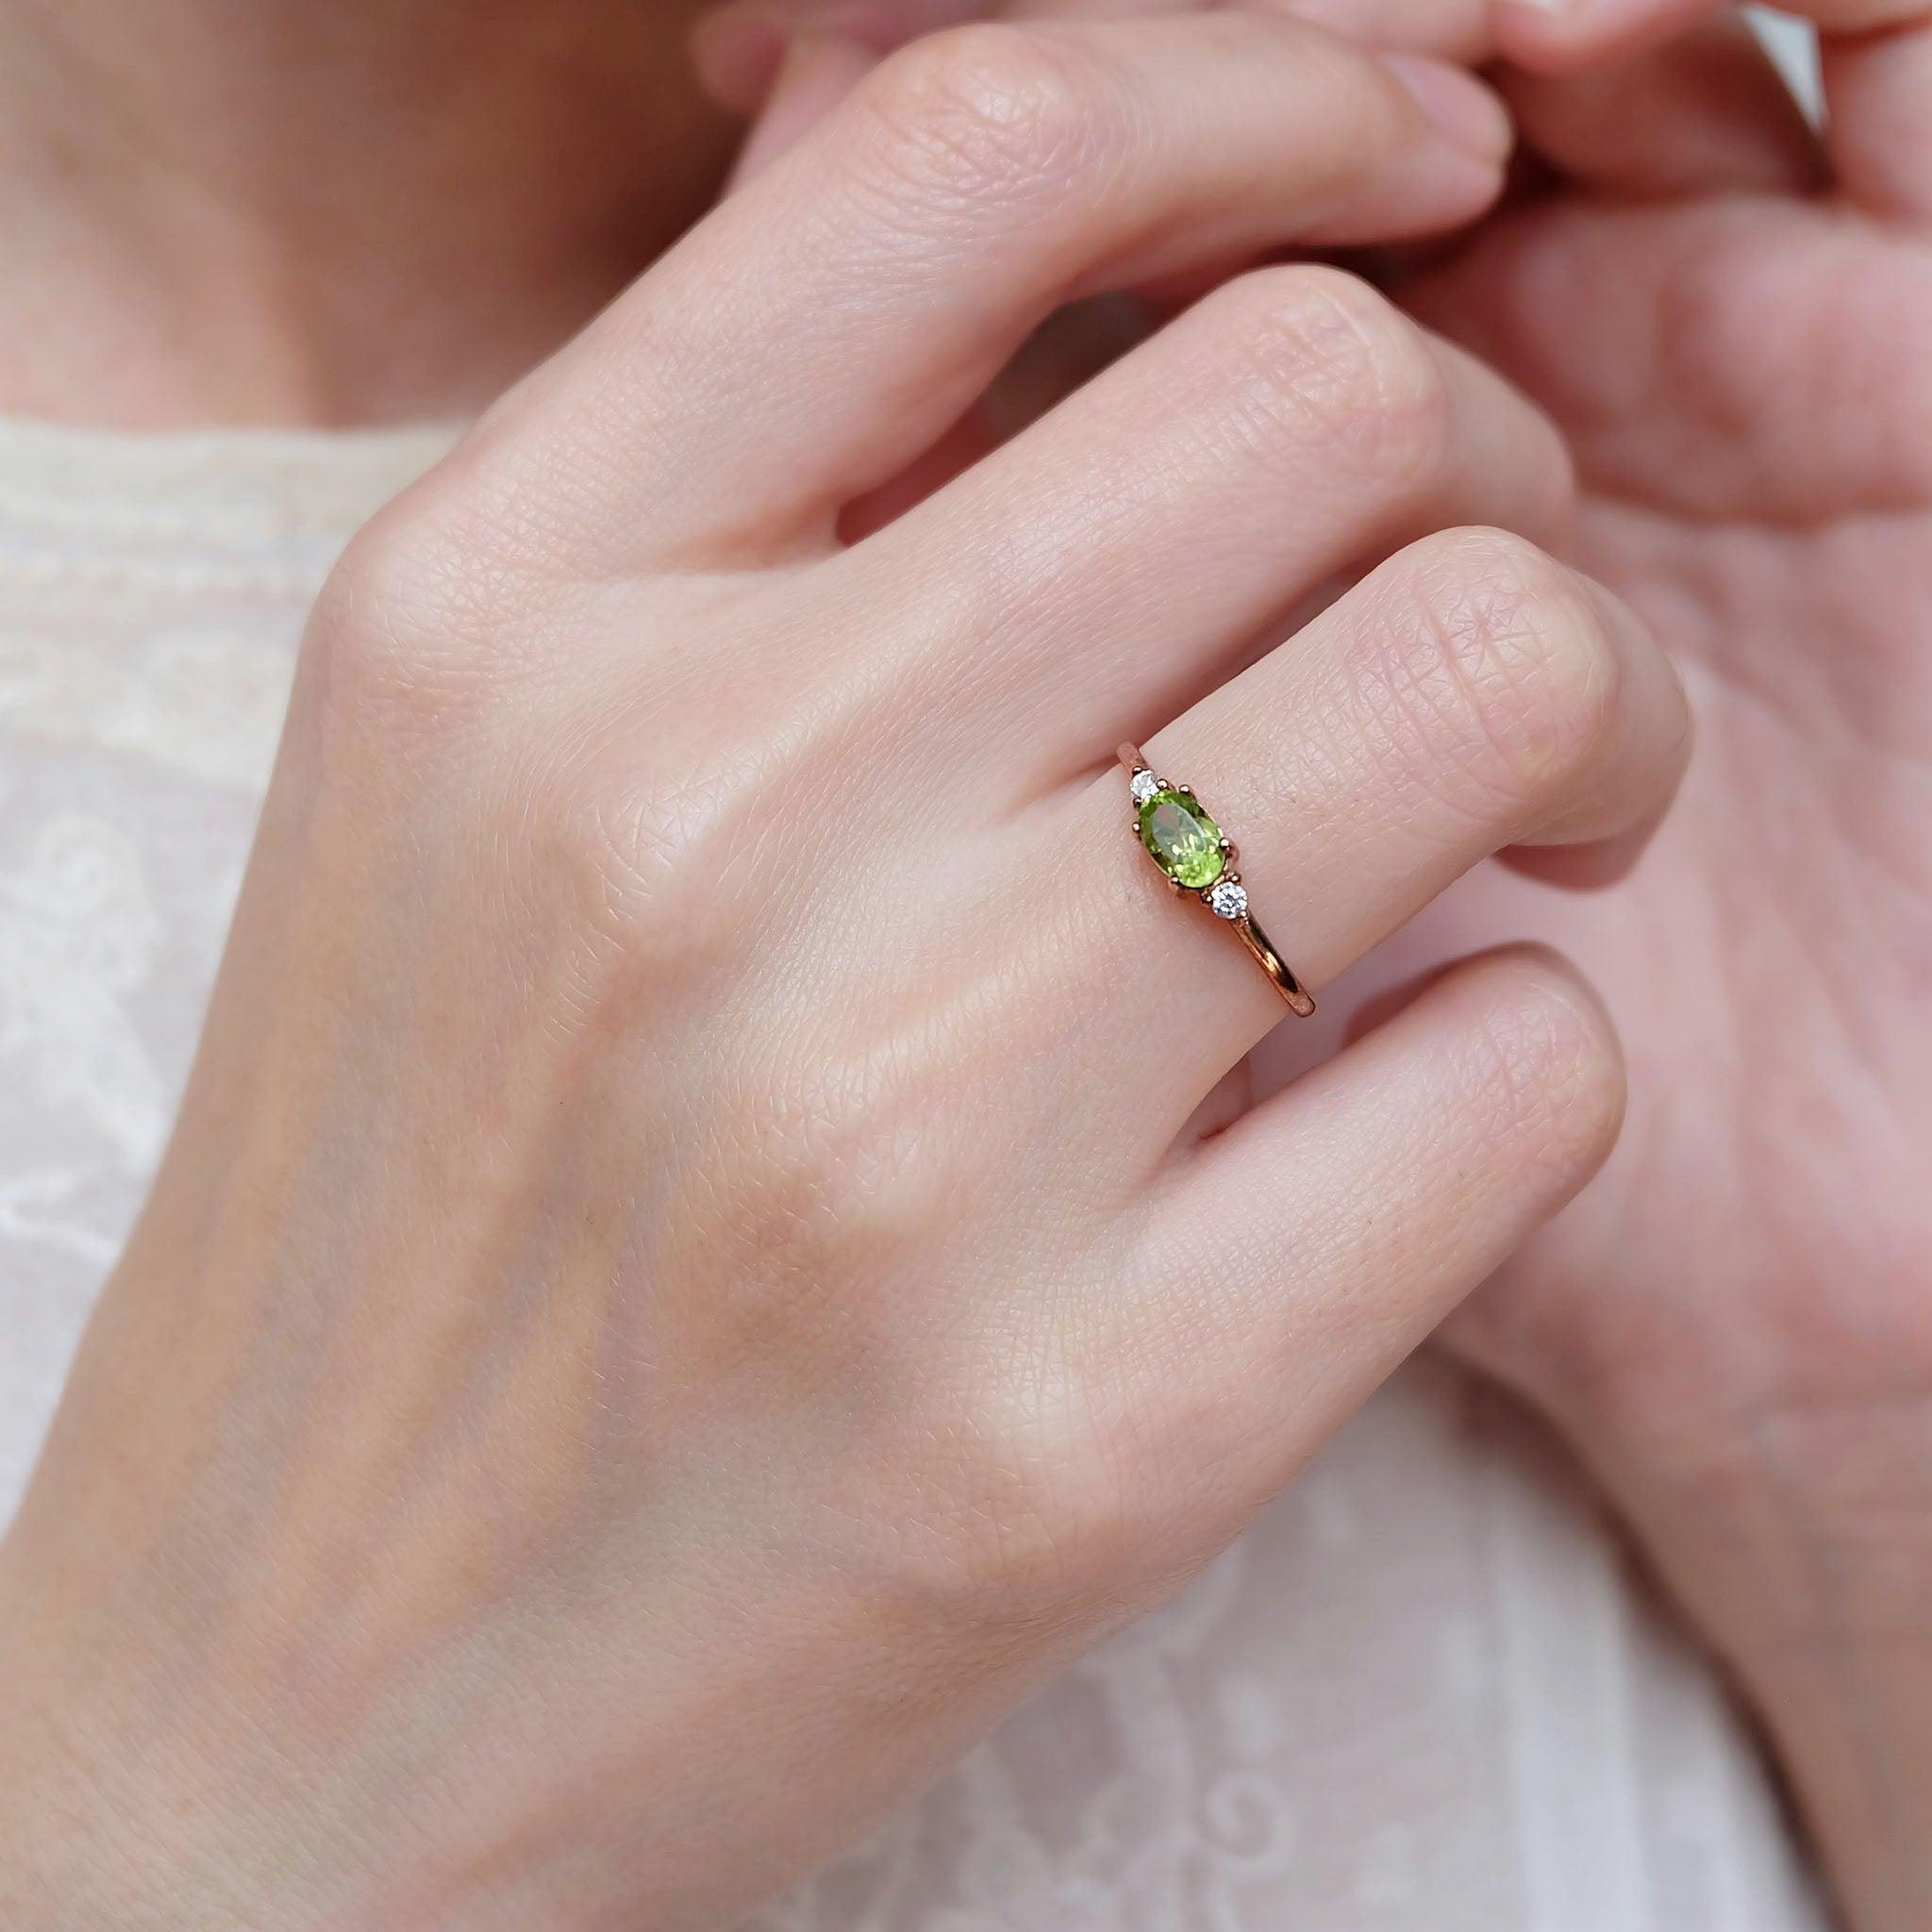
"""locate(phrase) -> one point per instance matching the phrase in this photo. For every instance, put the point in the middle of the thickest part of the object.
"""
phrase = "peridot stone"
(1185, 841)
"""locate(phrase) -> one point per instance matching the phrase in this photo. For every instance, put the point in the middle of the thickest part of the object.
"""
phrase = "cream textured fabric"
(1424, 1695)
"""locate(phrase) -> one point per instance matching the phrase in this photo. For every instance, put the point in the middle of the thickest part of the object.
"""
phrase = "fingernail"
(1461, 109)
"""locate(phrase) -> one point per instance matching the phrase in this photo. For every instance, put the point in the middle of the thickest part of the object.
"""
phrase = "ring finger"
(1473, 694)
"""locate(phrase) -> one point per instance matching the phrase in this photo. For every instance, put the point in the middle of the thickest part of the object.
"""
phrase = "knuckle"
(1017, 1499)
(396, 641)
(857, 1156)
(1550, 1072)
(1507, 671)
(670, 860)
(1037, 1515)
(991, 114)
(633, 858)
(1321, 354)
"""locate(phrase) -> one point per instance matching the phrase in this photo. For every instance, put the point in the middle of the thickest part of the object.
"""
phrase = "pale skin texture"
(1737, 1328)
(651, 1373)
(801, 1423)
(1729, 319)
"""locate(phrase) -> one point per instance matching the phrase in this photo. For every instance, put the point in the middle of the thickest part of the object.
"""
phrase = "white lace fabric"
(1424, 1694)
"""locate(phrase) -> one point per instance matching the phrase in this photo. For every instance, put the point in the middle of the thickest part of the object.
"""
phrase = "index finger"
(858, 295)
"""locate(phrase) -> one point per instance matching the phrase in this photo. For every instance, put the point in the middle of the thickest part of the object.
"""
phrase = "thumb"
(818, 68)
(742, 49)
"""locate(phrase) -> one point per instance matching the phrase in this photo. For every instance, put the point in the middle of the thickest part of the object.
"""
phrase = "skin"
(587, 1417)
(222, 212)
(1751, 1391)
(1726, 316)
(1737, 1327)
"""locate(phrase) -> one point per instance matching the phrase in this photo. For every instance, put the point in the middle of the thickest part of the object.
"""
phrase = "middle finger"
(822, 328)
(1106, 567)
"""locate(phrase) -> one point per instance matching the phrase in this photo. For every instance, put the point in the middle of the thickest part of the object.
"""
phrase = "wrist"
(106, 1823)
(151, 1780)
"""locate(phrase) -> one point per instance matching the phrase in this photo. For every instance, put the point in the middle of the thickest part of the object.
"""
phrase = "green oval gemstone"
(1185, 841)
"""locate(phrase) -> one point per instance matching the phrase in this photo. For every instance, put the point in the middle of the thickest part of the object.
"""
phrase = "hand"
(1736, 1322)
(1733, 1324)
(710, 1243)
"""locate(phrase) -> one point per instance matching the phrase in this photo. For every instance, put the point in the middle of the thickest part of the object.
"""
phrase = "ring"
(1187, 845)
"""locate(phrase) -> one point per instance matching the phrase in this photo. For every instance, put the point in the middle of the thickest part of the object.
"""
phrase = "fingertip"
(1558, 1057)
(1619, 765)
(1449, 165)
(737, 52)
(1469, 116)
(1420, 1156)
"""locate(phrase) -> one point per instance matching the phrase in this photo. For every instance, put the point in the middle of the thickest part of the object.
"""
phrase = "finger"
(1705, 112)
(818, 71)
(739, 48)
(1472, 695)
(828, 323)
(1110, 564)
(1879, 95)
(1449, 29)
(1445, 30)
(1571, 33)
(1761, 398)
(1298, 1258)
(1877, 71)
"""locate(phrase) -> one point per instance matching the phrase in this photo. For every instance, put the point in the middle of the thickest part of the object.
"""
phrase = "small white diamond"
(1228, 900)
(1144, 787)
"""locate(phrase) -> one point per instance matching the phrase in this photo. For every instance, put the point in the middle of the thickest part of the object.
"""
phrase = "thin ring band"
(1187, 845)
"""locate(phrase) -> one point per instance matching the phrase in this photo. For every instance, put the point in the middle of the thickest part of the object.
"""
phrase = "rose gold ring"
(1186, 843)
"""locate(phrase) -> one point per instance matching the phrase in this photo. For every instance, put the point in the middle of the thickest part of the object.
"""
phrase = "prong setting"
(1191, 852)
